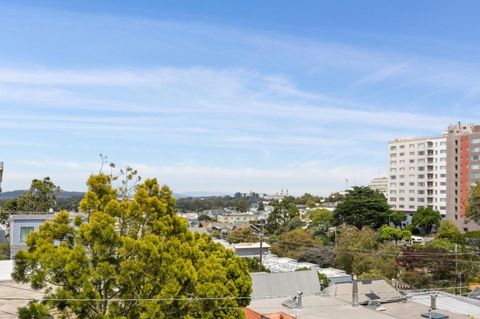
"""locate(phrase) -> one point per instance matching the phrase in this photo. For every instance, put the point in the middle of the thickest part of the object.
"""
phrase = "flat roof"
(317, 307)
(250, 245)
(451, 303)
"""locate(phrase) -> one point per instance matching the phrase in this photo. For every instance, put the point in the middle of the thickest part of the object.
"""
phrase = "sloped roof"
(285, 284)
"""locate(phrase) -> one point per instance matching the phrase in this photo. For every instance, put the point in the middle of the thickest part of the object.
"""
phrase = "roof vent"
(294, 302)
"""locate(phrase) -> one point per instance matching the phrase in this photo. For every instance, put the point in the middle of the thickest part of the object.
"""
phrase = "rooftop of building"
(317, 307)
(250, 245)
(413, 139)
(268, 285)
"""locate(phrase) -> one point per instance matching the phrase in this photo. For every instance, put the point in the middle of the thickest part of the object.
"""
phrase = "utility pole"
(260, 237)
(456, 268)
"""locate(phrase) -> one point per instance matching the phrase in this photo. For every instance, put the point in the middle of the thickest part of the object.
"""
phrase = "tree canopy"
(282, 213)
(390, 233)
(292, 243)
(242, 235)
(361, 207)
(125, 251)
(40, 197)
(426, 218)
(473, 204)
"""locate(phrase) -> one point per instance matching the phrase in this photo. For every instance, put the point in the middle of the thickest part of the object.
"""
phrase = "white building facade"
(417, 174)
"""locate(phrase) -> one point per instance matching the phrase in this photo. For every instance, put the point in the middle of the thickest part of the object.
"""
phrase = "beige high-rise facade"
(436, 172)
(417, 174)
(380, 184)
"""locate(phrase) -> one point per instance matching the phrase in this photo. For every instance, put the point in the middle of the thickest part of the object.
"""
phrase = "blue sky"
(229, 96)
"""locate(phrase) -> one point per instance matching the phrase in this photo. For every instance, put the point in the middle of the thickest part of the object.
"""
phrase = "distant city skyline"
(217, 98)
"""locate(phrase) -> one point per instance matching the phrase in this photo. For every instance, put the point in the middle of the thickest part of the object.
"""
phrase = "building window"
(476, 140)
(402, 147)
(393, 148)
(413, 153)
(421, 146)
(24, 231)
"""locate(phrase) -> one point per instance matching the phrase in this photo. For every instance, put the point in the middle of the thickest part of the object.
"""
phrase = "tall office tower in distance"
(417, 174)
(463, 166)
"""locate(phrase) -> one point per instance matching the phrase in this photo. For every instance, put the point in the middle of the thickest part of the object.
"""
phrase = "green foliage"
(261, 207)
(292, 243)
(442, 244)
(253, 264)
(334, 197)
(40, 197)
(294, 223)
(324, 281)
(395, 234)
(308, 199)
(242, 205)
(322, 256)
(448, 230)
(204, 218)
(282, 213)
(472, 239)
(426, 218)
(34, 311)
(242, 235)
(303, 269)
(358, 253)
(433, 263)
(5, 250)
(397, 217)
(321, 218)
(129, 249)
(473, 204)
(361, 207)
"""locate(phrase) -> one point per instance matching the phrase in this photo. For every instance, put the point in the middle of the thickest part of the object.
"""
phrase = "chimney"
(355, 291)
(299, 299)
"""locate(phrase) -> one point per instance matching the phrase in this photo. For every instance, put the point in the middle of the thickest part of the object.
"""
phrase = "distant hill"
(68, 194)
(16, 193)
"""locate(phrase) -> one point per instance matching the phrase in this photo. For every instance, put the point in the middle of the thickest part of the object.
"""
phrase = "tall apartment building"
(436, 172)
(380, 184)
(463, 167)
(418, 174)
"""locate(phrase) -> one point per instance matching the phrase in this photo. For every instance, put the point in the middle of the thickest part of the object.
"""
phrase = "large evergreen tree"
(131, 258)
(282, 213)
(361, 207)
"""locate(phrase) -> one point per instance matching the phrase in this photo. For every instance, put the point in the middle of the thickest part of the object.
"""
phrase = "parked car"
(416, 240)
